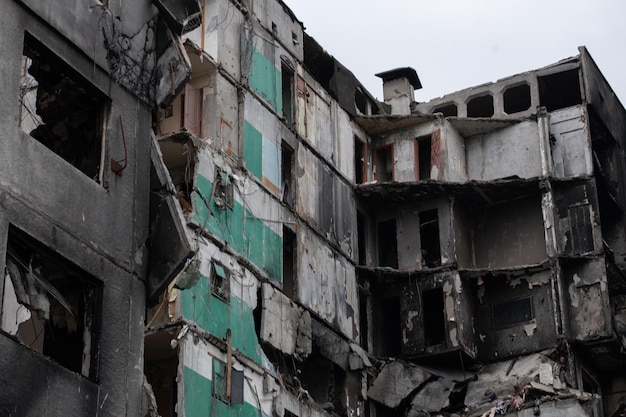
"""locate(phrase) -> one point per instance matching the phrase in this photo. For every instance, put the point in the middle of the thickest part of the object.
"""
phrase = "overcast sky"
(454, 44)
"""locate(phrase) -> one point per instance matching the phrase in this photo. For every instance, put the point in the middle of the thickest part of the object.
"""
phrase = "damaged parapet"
(398, 87)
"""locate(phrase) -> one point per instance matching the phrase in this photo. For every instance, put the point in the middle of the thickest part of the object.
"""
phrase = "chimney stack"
(398, 87)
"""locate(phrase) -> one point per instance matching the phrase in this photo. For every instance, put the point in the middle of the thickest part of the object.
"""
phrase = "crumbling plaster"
(510, 152)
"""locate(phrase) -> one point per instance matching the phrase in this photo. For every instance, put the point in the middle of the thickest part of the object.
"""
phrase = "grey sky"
(454, 44)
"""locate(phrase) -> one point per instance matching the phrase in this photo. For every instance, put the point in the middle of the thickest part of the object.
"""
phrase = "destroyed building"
(205, 213)
(83, 244)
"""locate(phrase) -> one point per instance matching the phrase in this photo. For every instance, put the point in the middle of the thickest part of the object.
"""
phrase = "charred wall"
(94, 220)
(515, 314)
(508, 234)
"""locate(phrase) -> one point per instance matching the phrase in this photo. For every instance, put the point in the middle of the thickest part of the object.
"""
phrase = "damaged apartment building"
(203, 213)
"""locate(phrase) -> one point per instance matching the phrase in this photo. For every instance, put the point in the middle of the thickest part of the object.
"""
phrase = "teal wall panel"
(265, 79)
(253, 149)
(199, 400)
(217, 316)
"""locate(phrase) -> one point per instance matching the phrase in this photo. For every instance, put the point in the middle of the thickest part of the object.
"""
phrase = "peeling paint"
(530, 328)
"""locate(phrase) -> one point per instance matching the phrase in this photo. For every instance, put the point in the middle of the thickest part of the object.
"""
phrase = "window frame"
(78, 91)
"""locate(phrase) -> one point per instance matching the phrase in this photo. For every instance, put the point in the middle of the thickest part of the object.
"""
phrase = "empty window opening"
(511, 313)
(364, 296)
(60, 109)
(220, 282)
(516, 99)
(360, 161)
(161, 367)
(360, 100)
(179, 156)
(429, 238)
(222, 193)
(325, 382)
(287, 77)
(448, 110)
(581, 229)
(286, 166)
(557, 91)
(389, 324)
(589, 383)
(383, 163)
(434, 317)
(50, 305)
(387, 244)
(361, 222)
(480, 106)
(423, 157)
(289, 262)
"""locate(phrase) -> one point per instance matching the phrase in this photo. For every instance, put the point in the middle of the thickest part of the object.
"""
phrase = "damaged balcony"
(182, 125)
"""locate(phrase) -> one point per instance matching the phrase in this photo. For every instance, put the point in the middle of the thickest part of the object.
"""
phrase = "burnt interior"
(61, 109)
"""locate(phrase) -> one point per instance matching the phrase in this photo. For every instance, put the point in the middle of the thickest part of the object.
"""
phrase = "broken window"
(360, 161)
(360, 100)
(220, 282)
(219, 380)
(423, 157)
(387, 244)
(325, 382)
(481, 106)
(179, 156)
(588, 382)
(288, 88)
(429, 238)
(383, 163)
(516, 98)
(447, 110)
(287, 162)
(161, 368)
(434, 317)
(222, 189)
(388, 323)
(50, 306)
(227, 383)
(361, 222)
(511, 313)
(60, 109)
(364, 300)
(560, 90)
(289, 262)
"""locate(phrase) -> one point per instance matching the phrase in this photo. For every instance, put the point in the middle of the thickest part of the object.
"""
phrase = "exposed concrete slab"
(284, 325)
(396, 381)
(432, 397)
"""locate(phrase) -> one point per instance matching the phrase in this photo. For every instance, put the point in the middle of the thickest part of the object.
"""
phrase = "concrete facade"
(255, 234)
(76, 219)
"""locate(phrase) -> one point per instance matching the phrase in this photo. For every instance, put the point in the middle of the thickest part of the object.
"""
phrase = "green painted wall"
(244, 233)
(199, 401)
(253, 149)
(216, 316)
(266, 80)
(262, 155)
